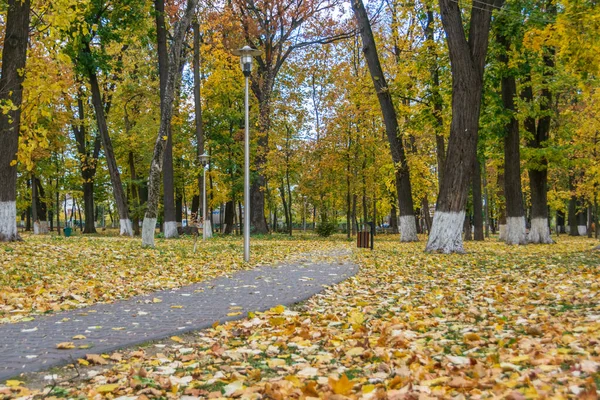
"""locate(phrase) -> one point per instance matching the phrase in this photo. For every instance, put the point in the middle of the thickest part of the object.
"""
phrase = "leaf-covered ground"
(51, 273)
(498, 322)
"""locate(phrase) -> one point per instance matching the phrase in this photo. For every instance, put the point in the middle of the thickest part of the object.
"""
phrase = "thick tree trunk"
(538, 175)
(477, 203)
(408, 227)
(169, 222)
(14, 56)
(436, 98)
(111, 162)
(229, 217)
(166, 115)
(467, 59)
(515, 213)
(258, 185)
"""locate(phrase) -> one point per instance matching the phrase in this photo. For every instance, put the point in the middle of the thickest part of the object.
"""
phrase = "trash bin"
(364, 238)
(67, 232)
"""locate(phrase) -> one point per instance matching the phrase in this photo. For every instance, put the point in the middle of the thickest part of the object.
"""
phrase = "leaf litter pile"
(498, 322)
(48, 273)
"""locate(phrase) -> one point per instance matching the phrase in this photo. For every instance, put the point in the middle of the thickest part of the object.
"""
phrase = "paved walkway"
(31, 346)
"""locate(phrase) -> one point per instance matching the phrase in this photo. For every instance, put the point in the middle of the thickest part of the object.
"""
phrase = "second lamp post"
(246, 54)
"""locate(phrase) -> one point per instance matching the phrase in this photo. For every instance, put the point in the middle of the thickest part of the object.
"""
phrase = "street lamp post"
(206, 227)
(246, 54)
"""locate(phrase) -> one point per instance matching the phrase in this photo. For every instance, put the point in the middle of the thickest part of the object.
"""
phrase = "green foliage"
(326, 228)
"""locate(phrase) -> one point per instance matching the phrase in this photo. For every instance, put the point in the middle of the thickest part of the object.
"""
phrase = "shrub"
(326, 228)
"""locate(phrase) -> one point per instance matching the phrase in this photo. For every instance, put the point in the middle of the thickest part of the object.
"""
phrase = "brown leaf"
(96, 359)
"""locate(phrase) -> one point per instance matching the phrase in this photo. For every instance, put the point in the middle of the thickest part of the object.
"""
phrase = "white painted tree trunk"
(206, 229)
(582, 229)
(170, 229)
(502, 232)
(539, 232)
(8, 221)
(148, 228)
(40, 227)
(515, 231)
(408, 229)
(446, 233)
(126, 228)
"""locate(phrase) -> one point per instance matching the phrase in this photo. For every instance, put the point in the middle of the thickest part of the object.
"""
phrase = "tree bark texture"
(169, 223)
(515, 213)
(111, 162)
(477, 202)
(166, 115)
(436, 98)
(467, 59)
(14, 56)
(408, 228)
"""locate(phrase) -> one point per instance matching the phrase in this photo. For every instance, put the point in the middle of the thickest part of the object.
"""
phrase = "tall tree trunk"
(14, 56)
(285, 207)
(467, 228)
(34, 206)
(408, 228)
(582, 219)
(394, 217)
(111, 162)
(477, 203)
(538, 174)
(573, 231)
(426, 215)
(486, 207)
(354, 222)
(348, 203)
(57, 207)
(560, 222)
(229, 217)
(166, 115)
(467, 59)
(501, 207)
(87, 165)
(258, 184)
(169, 223)
(135, 195)
(199, 125)
(436, 98)
(515, 212)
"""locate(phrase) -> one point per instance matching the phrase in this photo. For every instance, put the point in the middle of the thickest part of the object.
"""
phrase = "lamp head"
(246, 54)
(204, 159)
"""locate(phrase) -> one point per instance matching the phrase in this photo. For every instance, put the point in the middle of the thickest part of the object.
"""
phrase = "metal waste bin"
(364, 238)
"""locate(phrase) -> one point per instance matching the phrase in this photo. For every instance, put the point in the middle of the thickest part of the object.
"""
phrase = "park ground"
(519, 322)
